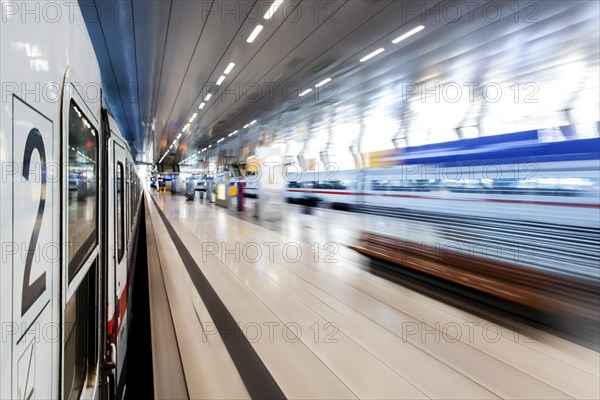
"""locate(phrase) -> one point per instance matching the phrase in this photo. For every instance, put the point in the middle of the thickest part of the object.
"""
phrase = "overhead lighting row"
(395, 41)
(81, 154)
(187, 159)
(268, 15)
(248, 125)
(193, 117)
(369, 56)
(163, 157)
(219, 82)
(318, 85)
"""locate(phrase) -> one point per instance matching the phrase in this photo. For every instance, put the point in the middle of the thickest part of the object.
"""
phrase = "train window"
(82, 169)
(128, 198)
(131, 198)
(379, 185)
(120, 208)
(339, 185)
(80, 322)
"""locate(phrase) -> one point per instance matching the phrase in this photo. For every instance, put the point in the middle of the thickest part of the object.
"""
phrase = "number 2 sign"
(34, 221)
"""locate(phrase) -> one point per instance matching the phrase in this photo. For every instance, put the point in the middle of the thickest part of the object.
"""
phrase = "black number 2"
(31, 292)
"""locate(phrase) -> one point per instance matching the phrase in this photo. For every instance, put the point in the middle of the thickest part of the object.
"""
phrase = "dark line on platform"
(256, 377)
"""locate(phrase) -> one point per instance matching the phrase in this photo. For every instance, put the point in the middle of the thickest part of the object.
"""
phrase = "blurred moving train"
(520, 176)
(70, 201)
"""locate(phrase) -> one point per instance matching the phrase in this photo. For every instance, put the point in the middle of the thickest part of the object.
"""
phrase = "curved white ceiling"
(160, 59)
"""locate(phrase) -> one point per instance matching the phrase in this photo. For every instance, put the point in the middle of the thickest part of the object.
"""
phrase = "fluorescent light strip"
(229, 68)
(201, 106)
(253, 122)
(307, 91)
(273, 8)
(323, 82)
(247, 125)
(254, 33)
(208, 96)
(221, 79)
(408, 34)
(178, 136)
(371, 55)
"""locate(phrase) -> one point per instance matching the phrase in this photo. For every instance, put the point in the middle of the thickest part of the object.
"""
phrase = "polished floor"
(321, 324)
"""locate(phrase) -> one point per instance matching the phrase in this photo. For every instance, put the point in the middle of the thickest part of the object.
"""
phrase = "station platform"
(283, 309)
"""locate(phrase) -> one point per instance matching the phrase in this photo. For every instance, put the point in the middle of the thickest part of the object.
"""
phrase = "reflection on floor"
(341, 331)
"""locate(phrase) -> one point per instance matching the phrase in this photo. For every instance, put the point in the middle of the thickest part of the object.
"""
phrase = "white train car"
(513, 177)
(63, 295)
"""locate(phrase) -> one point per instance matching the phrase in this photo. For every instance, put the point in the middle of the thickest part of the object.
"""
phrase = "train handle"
(112, 364)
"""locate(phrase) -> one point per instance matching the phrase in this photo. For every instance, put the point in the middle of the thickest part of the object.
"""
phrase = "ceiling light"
(208, 96)
(253, 122)
(247, 125)
(221, 79)
(273, 8)
(220, 140)
(234, 132)
(323, 82)
(408, 34)
(178, 136)
(371, 55)
(201, 105)
(229, 68)
(230, 135)
(209, 146)
(254, 33)
(305, 92)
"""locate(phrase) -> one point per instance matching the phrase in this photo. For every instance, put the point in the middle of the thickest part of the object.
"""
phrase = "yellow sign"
(221, 191)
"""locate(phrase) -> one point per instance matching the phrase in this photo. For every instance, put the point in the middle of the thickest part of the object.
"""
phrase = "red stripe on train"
(120, 311)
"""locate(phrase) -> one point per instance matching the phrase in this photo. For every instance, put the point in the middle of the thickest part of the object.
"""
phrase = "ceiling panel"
(171, 49)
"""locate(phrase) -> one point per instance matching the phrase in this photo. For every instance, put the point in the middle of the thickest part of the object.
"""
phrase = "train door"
(120, 257)
(361, 187)
(80, 234)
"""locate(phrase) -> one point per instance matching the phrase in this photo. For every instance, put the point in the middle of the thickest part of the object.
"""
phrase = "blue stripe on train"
(520, 147)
